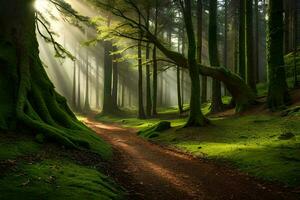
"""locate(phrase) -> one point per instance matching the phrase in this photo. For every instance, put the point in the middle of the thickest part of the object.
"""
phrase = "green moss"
(155, 130)
(53, 179)
(50, 176)
(250, 143)
(10, 148)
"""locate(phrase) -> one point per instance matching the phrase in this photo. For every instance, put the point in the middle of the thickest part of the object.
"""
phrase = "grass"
(29, 170)
(249, 143)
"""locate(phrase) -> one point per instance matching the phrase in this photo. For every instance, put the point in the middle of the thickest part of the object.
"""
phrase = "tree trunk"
(196, 117)
(31, 103)
(141, 112)
(97, 84)
(216, 104)
(107, 99)
(154, 82)
(242, 55)
(251, 80)
(115, 74)
(74, 85)
(256, 42)
(79, 109)
(199, 49)
(278, 96)
(178, 80)
(87, 107)
(154, 73)
(148, 83)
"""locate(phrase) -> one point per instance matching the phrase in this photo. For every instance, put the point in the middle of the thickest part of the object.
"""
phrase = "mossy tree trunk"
(196, 118)
(216, 104)
(28, 98)
(278, 95)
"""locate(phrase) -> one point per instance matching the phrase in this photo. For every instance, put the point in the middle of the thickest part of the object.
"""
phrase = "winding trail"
(149, 171)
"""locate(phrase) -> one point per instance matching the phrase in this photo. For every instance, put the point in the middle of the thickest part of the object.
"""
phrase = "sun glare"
(40, 5)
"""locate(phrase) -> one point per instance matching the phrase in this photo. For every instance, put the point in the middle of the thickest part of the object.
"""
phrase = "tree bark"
(251, 80)
(196, 118)
(199, 49)
(154, 73)
(74, 84)
(141, 112)
(115, 82)
(31, 102)
(242, 54)
(87, 107)
(216, 104)
(278, 95)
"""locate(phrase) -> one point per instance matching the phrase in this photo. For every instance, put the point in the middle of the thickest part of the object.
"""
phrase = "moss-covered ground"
(29, 170)
(265, 146)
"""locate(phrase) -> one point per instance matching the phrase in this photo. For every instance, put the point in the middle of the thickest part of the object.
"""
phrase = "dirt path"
(148, 171)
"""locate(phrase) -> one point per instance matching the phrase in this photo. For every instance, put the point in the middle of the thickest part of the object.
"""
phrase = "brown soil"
(149, 171)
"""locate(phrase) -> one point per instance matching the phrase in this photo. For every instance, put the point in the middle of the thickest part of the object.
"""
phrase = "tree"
(141, 112)
(196, 118)
(74, 106)
(115, 74)
(216, 104)
(242, 54)
(199, 48)
(251, 76)
(240, 91)
(87, 107)
(148, 74)
(154, 60)
(278, 95)
(178, 80)
(79, 109)
(31, 102)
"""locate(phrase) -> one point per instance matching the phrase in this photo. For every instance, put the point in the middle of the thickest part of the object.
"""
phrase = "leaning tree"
(29, 101)
(128, 10)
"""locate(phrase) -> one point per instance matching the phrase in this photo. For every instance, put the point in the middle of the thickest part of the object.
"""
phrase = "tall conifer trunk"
(251, 79)
(278, 95)
(242, 54)
(216, 104)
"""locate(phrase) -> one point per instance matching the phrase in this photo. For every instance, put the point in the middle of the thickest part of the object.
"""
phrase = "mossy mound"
(155, 130)
(29, 170)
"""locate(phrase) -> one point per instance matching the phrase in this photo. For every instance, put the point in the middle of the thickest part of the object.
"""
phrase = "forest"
(150, 99)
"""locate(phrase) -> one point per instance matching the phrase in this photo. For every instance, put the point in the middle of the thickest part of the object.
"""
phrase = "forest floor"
(33, 171)
(150, 171)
